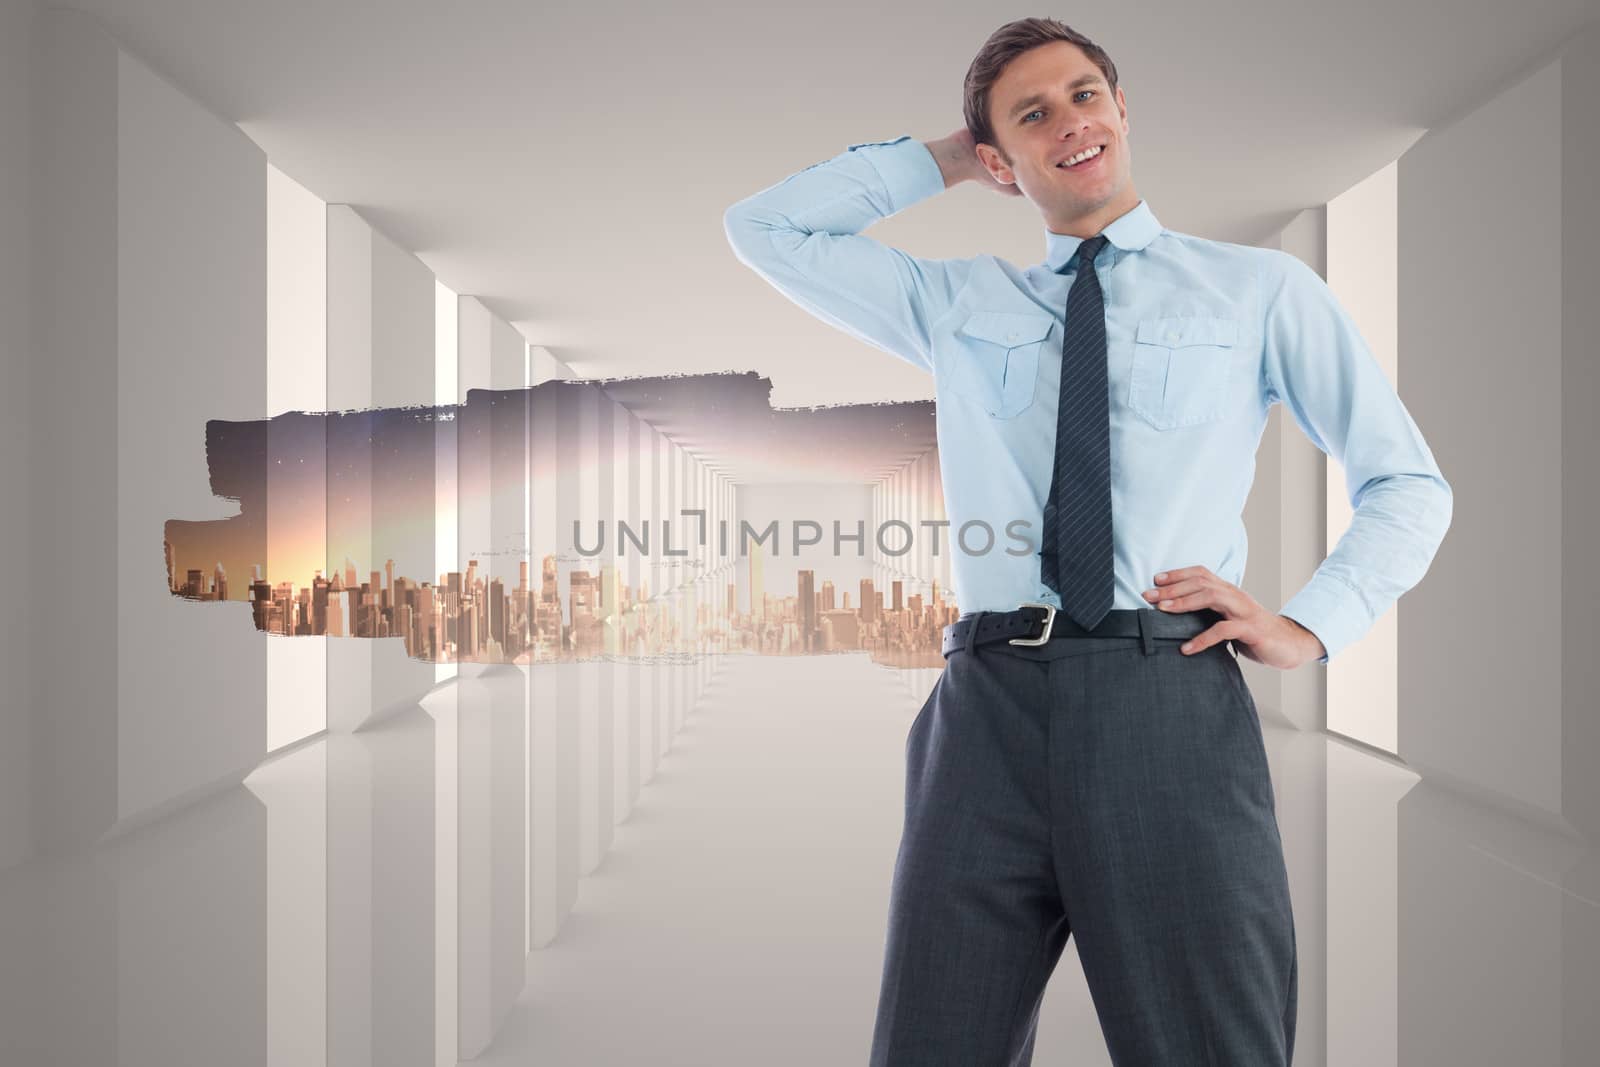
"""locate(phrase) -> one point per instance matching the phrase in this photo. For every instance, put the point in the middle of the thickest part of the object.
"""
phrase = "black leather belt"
(1035, 624)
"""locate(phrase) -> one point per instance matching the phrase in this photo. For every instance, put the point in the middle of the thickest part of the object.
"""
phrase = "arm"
(1318, 366)
(803, 236)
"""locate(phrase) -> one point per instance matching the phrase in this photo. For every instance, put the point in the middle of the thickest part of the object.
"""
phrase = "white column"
(381, 356)
(1362, 241)
(1496, 684)
(151, 318)
(297, 467)
(19, 44)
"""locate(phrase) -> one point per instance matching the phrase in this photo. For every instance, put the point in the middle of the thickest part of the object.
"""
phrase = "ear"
(989, 156)
(1122, 107)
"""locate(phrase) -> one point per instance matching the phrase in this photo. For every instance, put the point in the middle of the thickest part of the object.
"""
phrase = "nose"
(1073, 127)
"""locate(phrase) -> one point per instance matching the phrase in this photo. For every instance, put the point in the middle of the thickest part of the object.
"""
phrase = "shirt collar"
(1132, 230)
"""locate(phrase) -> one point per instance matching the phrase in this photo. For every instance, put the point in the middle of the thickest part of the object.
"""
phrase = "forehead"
(1044, 67)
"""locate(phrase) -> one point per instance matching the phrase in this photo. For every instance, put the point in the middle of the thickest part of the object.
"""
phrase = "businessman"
(1090, 762)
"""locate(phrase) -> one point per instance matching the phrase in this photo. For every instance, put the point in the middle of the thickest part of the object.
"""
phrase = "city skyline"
(471, 493)
(464, 617)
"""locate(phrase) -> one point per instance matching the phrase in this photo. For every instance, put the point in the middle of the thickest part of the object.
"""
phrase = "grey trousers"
(1086, 788)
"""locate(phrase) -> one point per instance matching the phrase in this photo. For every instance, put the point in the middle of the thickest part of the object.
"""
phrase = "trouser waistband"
(1034, 624)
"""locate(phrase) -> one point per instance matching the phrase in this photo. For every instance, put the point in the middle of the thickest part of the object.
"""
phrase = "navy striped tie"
(1076, 558)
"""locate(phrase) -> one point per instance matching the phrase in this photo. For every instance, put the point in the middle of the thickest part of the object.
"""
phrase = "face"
(1050, 103)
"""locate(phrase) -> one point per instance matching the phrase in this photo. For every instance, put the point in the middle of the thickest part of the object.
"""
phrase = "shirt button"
(1011, 337)
(1172, 337)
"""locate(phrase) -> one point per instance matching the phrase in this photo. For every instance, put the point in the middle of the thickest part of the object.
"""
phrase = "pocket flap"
(1008, 328)
(1188, 330)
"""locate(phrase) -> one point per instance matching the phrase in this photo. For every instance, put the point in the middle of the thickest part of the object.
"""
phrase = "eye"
(1035, 111)
(1088, 91)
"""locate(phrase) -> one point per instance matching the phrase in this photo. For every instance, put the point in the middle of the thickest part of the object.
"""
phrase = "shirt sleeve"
(803, 236)
(1317, 365)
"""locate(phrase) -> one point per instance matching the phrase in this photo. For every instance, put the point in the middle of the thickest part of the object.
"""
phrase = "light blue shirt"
(1202, 338)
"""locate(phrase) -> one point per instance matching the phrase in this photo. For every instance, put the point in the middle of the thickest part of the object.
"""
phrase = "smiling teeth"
(1087, 153)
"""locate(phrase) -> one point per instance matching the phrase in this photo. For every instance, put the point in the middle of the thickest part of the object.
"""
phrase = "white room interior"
(352, 855)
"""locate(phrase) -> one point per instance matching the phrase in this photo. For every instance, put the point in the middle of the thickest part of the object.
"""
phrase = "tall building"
(548, 592)
(319, 604)
(261, 605)
(497, 611)
(427, 623)
(807, 608)
(758, 587)
(580, 595)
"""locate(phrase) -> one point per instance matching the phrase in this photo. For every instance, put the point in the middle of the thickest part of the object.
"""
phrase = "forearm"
(803, 236)
(842, 195)
(956, 160)
(1316, 362)
(1392, 539)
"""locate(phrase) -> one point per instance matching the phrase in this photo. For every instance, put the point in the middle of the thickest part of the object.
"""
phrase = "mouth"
(1088, 163)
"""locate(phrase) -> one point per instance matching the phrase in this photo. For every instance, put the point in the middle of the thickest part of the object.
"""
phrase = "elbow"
(753, 234)
(1445, 497)
(743, 229)
(733, 221)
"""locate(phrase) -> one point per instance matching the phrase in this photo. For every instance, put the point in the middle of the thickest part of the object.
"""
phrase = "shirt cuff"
(909, 171)
(1332, 610)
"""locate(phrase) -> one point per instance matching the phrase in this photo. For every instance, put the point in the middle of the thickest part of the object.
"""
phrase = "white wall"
(491, 701)
(75, 722)
(297, 370)
(1481, 307)
(1580, 447)
(1496, 287)
(17, 44)
(191, 262)
(152, 320)
(381, 354)
(1362, 239)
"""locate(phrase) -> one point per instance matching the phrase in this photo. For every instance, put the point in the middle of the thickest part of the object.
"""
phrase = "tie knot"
(1089, 249)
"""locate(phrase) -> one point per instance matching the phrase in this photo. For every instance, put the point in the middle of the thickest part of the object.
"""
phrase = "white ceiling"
(570, 165)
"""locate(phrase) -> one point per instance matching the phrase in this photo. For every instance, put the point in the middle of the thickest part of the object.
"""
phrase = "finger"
(1173, 591)
(1179, 573)
(1204, 598)
(1196, 594)
(1203, 640)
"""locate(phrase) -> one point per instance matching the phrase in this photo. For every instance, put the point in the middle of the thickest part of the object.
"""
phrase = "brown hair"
(1004, 45)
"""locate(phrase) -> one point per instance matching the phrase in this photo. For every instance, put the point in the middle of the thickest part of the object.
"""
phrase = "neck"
(1090, 223)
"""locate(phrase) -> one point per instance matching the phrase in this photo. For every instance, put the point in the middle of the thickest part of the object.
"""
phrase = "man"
(1090, 762)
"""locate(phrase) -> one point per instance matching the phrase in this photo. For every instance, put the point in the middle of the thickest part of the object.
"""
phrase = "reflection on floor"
(700, 877)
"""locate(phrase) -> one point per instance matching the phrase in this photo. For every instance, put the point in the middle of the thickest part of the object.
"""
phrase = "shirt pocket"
(1180, 371)
(999, 365)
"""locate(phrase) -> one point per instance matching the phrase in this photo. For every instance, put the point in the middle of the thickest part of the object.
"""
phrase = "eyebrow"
(1038, 98)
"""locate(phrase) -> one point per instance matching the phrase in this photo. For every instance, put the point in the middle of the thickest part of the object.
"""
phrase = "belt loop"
(1146, 638)
(972, 631)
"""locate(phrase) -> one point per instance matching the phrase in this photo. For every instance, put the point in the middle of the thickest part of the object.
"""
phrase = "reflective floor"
(699, 876)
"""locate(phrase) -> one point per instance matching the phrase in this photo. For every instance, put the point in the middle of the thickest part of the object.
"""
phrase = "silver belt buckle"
(1049, 623)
